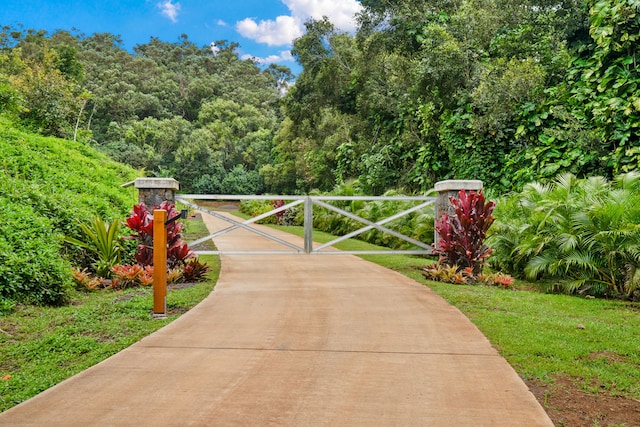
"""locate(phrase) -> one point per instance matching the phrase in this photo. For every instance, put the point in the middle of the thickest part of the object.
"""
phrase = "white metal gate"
(309, 202)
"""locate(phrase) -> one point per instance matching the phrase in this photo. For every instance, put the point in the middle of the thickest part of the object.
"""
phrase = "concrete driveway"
(299, 340)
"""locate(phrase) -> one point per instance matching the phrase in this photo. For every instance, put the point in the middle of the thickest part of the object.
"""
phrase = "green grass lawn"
(42, 346)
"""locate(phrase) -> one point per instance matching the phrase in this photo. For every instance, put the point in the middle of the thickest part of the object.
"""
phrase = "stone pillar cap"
(166, 183)
(458, 184)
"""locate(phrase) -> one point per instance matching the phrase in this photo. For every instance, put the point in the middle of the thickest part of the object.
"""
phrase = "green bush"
(577, 235)
(31, 269)
(48, 187)
(258, 207)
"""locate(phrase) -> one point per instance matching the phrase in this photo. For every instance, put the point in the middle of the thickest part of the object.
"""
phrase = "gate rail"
(309, 202)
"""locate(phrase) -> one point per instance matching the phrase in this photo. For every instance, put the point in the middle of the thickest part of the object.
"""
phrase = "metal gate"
(309, 202)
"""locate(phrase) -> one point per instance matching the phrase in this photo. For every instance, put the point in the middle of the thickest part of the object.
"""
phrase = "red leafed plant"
(140, 222)
(462, 236)
(194, 271)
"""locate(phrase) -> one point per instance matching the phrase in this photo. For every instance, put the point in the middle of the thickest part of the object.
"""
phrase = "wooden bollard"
(159, 263)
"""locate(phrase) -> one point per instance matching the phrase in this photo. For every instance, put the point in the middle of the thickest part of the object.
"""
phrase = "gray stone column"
(451, 188)
(153, 191)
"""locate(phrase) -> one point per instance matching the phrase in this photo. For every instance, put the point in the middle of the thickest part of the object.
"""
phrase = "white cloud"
(222, 23)
(341, 13)
(284, 56)
(274, 33)
(284, 29)
(170, 10)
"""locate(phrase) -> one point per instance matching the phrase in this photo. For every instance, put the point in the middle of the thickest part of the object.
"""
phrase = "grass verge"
(42, 346)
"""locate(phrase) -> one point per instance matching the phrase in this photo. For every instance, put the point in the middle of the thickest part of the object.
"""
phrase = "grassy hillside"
(48, 185)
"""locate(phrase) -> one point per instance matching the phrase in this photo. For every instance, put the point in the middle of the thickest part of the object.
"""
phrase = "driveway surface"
(298, 340)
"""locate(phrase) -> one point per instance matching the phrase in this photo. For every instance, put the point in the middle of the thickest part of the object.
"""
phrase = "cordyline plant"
(462, 236)
(141, 222)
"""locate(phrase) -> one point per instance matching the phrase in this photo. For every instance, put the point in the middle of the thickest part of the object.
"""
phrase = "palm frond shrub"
(580, 235)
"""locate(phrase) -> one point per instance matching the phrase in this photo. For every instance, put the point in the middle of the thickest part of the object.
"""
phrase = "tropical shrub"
(140, 222)
(259, 207)
(445, 273)
(194, 271)
(81, 277)
(462, 236)
(454, 274)
(128, 276)
(84, 280)
(280, 216)
(174, 275)
(575, 235)
(103, 240)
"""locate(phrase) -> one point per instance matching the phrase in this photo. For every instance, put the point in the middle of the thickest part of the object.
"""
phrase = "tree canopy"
(167, 108)
(503, 91)
(507, 92)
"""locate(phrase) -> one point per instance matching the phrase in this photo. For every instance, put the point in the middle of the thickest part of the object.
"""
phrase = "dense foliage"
(206, 118)
(48, 187)
(579, 236)
(507, 92)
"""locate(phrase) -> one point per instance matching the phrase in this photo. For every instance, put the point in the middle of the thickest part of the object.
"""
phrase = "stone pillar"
(153, 191)
(451, 188)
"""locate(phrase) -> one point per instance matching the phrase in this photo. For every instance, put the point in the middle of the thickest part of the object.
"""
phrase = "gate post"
(451, 188)
(159, 263)
(308, 225)
(153, 191)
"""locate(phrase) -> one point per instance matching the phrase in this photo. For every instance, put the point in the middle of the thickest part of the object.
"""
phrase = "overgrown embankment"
(48, 185)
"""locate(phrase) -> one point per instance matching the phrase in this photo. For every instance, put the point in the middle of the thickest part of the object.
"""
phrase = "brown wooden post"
(159, 263)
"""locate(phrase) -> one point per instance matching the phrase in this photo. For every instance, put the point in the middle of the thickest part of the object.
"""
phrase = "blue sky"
(264, 28)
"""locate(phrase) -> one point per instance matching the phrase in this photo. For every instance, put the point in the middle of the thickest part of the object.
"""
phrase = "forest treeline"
(505, 91)
(172, 109)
